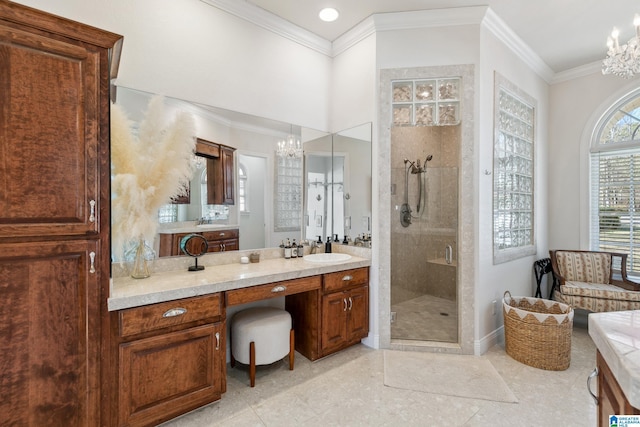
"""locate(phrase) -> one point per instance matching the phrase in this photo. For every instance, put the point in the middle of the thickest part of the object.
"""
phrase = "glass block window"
(615, 182)
(168, 213)
(513, 173)
(288, 197)
(426, 102)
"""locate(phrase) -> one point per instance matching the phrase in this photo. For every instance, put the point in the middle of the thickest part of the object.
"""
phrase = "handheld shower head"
(429, 157)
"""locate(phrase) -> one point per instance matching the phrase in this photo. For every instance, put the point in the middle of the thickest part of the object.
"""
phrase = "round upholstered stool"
(261, 336)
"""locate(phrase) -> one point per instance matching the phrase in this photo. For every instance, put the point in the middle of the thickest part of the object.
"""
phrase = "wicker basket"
(537, 332)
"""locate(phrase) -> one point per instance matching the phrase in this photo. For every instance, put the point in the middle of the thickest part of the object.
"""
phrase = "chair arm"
(625, 283)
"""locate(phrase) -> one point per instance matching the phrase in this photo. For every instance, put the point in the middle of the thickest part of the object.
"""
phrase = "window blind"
(615, 204)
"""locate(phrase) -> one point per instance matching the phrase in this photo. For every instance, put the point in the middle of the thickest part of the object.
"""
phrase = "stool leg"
(292, 349)
(252, 363)
(233, 359)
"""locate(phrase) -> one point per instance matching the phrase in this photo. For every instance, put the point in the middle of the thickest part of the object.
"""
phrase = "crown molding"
(354, 36)
(429, 18)
(273, 23)
(498, 28)
(574, 73)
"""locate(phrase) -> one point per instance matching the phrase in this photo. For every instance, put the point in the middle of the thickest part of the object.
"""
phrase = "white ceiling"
(564, 33)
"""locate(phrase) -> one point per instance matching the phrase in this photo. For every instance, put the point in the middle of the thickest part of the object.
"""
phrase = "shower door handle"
(448, 254)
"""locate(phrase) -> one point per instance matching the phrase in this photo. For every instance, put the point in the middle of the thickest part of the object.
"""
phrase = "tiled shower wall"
(418, 264)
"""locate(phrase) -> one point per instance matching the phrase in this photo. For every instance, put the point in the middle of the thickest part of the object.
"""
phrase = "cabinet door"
(334, 321)
(611, 399)
(49, 334)
(167, 375)
(49, 133)
(358, 313)
(220, 176)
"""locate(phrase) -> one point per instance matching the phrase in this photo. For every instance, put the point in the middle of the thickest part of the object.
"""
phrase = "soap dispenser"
(327, 246)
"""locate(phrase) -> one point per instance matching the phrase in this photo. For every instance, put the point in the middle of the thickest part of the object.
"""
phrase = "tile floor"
(347, 389)
(425, 318)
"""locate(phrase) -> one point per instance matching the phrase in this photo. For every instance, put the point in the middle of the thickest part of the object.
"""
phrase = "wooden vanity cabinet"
(171, 357)
(611, 399)
(333, 318)
(54, 217)
(345, 309)
(217, 241)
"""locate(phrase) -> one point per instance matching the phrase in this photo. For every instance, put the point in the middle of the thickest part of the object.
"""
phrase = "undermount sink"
(326, 258)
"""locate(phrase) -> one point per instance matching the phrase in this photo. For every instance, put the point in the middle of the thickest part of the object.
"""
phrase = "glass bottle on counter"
(300, 250)
(294, 249)
(287, 250)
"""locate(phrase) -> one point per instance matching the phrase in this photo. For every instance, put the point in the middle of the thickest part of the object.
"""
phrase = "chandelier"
(289, 147)
(623, 61)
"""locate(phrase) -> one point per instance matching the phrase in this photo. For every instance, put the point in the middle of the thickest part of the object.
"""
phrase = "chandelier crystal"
(289, 147)
(623, 61)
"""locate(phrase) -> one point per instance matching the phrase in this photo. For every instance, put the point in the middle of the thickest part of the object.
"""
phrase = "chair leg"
(252, 363)
(292, 349)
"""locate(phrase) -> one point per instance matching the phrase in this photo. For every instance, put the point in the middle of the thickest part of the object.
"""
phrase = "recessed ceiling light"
(329, 14)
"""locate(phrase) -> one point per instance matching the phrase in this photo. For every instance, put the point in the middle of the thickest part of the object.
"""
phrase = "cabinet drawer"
(272, 290)
(157, 316)
(345, 279)
(221, 234)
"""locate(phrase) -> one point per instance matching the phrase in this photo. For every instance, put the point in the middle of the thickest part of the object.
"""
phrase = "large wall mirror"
(337, 179)
(346, 178)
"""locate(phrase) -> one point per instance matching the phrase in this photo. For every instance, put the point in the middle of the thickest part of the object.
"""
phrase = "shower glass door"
(424, 222)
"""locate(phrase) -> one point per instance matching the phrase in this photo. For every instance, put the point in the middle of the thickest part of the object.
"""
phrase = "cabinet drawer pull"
(350, 303)
(92, 267)
(279, 288)
(221, 234)
(92, 213)
(591, 376)
(217, 340)
(347, 278)
(344, 300)
(179, 311)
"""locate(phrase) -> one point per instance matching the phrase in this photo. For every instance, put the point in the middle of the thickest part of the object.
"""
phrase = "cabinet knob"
(347, 278)
(591, 376)
(178, 311)
(92, 266)
(92, 211)
(279, 288)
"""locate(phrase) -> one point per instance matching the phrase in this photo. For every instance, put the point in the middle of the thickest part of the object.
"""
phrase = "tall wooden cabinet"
(54, 216)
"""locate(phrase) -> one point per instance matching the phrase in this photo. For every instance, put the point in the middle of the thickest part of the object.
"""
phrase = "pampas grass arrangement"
(148, 170)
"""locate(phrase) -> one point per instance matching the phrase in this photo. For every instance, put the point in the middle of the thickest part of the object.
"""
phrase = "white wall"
(576, 105)
(190, 50)
(516, 276)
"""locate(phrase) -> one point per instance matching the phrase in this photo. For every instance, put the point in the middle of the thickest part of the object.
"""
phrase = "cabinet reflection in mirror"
(338, 186)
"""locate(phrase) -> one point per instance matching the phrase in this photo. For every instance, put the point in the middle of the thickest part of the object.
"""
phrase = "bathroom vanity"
(617, 338)
(169, 331)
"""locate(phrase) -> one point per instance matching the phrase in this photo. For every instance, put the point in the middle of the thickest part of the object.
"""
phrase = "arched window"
(243, 196)
(615, 181)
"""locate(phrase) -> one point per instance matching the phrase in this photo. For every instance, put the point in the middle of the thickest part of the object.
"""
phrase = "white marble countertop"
(170, 285)
(197, 228)
(617, 335)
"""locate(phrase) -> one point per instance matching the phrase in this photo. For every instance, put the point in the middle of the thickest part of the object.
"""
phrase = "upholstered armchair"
(587, 280)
